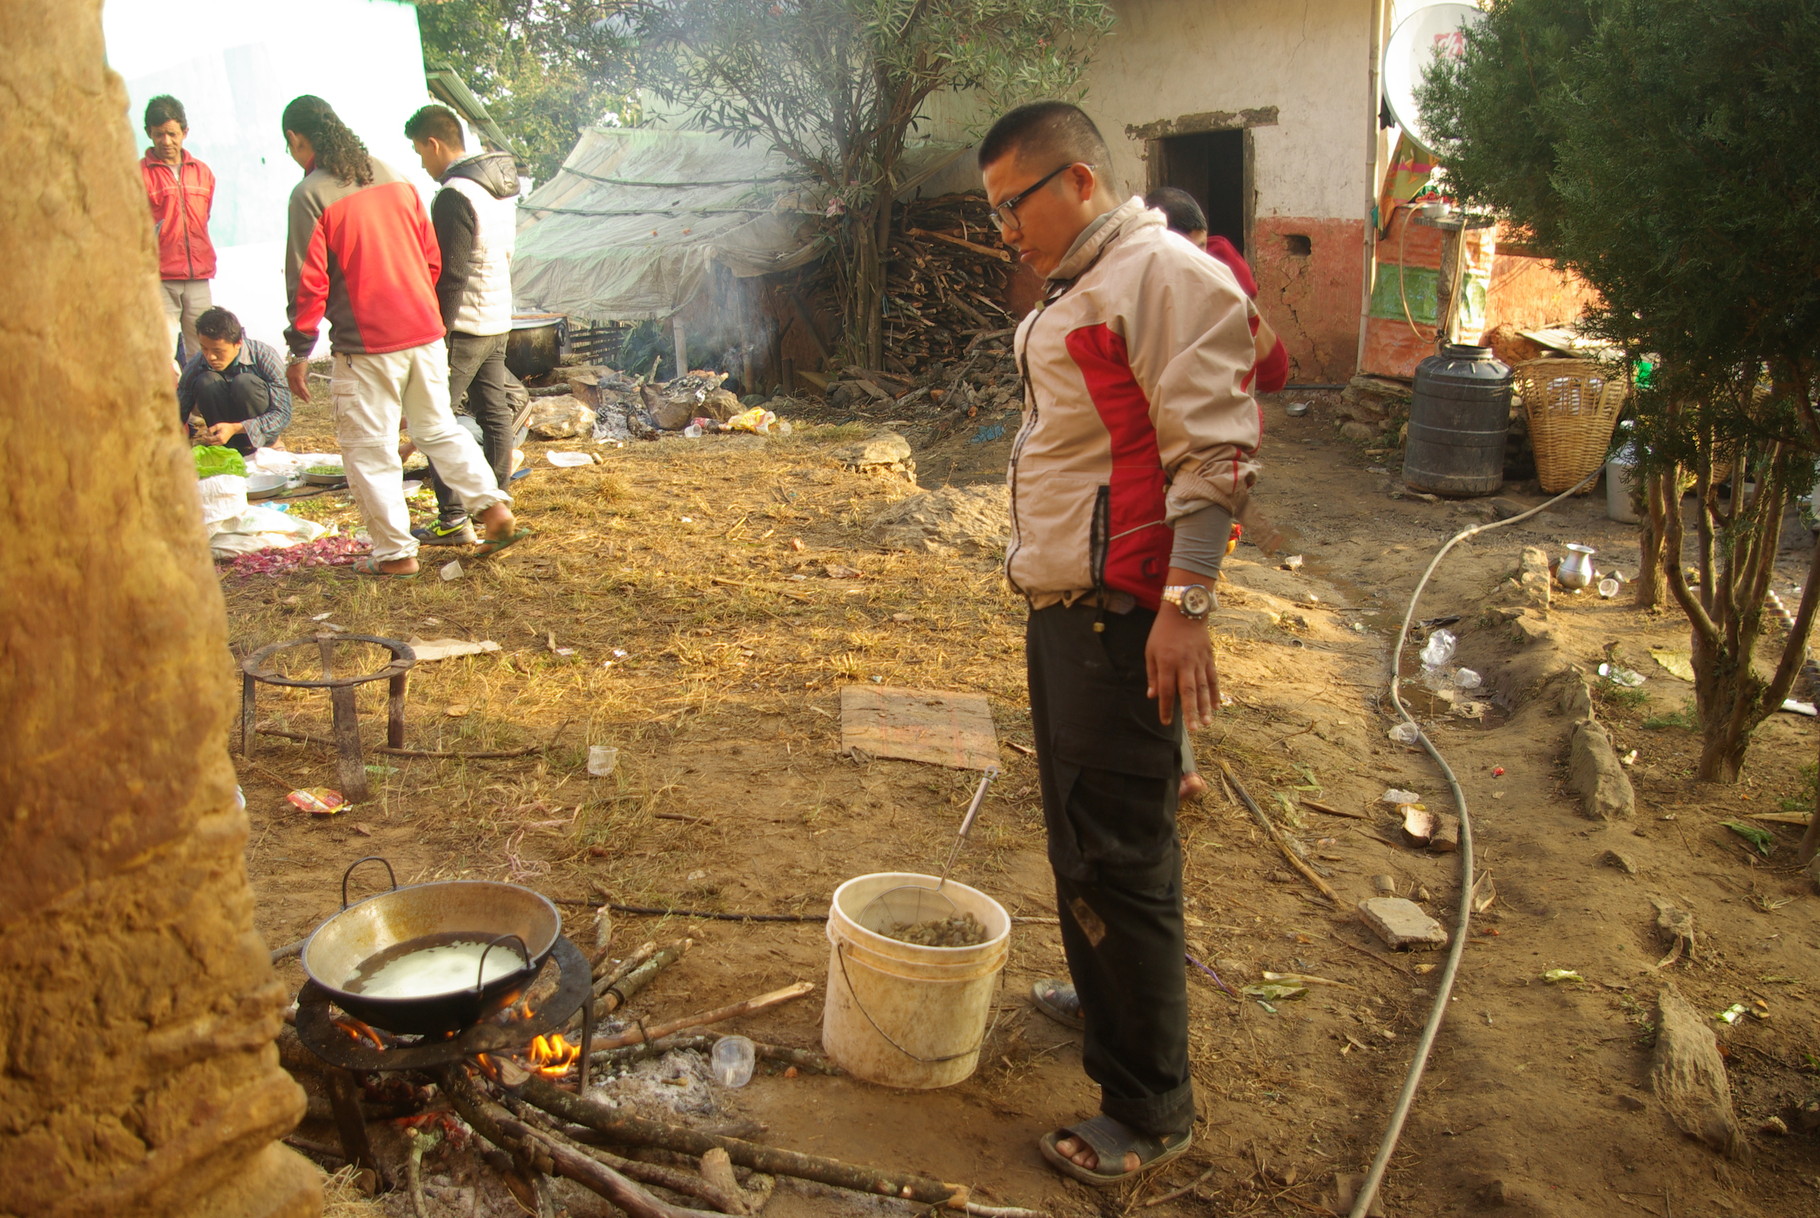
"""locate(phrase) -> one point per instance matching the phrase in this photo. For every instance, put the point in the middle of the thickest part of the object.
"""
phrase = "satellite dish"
(1420, 38)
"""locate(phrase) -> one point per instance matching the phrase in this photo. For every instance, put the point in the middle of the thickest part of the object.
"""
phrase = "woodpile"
(944, 282)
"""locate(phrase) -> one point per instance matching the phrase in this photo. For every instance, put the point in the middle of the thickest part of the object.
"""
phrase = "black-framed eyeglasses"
(1004, 216)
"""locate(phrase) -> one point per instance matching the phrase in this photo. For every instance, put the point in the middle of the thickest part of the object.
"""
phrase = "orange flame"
(551, 1056)
(357, 1030)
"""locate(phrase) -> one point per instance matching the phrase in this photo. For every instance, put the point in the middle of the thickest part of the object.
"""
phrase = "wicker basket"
(1572, 405)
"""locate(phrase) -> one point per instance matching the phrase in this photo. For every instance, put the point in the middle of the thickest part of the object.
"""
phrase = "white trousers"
(370, 393)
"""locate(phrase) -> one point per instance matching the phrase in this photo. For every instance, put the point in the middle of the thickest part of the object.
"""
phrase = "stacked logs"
(944, 282)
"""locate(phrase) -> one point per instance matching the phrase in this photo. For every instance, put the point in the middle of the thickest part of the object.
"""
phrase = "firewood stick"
(389, 751)
(413, 1167)
(638, 1131)
(605, 977)
(633, 1036)
(727, 1200)
(499, 1127)
(806, 1060)
(617, 993)
(1271, 830)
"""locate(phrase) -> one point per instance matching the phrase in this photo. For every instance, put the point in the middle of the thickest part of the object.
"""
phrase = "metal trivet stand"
(344, 1054)
(350, 764)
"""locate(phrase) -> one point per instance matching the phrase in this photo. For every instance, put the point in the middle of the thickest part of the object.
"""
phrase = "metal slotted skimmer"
(907, 905)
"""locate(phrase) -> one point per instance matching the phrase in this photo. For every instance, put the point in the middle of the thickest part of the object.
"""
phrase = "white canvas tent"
(636, 220)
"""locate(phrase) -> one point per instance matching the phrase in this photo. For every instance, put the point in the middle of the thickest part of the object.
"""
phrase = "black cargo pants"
(1109, 771)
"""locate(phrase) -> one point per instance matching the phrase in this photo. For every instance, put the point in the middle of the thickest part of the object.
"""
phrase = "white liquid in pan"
(436, 964)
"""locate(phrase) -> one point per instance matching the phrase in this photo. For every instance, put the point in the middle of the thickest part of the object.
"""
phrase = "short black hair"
(219, 324)
(1048, 131)
(435, 122)
(162, 109)
(1179, 209)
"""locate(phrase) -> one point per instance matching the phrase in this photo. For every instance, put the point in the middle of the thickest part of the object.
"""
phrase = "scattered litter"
(564, 651)
(1617, 674)
(1293, 563)
(1296, 410)
(602, 758)
(442, 649)
(1798, 708)
(1677, 663)
(687, 519)
(1629, 759)
(731, 1060)
(318, 801)
(1497, 771)
(451, 570)
(1762, 839)
(1405, 733)
(320, 617)
(1274, 991)
(1418, 824)
(569, 460)
(1466, 678)
(1732, 1013)
(1608, 588)
(1300, 978)
(1556, 975)
(1395, 796)
(757, 420)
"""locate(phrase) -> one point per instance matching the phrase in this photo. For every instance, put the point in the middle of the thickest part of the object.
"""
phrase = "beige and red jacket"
(1136, 411)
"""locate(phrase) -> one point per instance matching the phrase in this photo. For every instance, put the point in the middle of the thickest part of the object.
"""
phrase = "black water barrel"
(1458, 422)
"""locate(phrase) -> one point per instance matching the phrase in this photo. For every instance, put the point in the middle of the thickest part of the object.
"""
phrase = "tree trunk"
(1658, 497)
(141, 1007)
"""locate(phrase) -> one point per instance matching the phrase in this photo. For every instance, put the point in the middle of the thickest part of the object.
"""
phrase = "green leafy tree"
(546, 69)
(1670, 154)
(838, 87)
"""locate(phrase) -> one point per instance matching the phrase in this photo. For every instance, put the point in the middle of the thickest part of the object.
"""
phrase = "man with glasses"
(1135, 453)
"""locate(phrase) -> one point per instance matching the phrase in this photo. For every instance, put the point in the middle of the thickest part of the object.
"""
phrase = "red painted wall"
(1312, 297)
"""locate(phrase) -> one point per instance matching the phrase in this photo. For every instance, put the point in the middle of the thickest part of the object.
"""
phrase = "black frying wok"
(521, 926)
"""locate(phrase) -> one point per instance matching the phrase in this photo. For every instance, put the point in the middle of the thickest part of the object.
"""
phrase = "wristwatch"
(1193, 600)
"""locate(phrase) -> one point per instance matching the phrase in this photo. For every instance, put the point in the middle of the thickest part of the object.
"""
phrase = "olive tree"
(838, 87)
(1670, 155)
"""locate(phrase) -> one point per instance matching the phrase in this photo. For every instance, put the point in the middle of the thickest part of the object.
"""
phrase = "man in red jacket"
(362, 255)
(182, 193)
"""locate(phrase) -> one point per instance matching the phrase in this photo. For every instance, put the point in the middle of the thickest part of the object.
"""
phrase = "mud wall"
(137, 1073)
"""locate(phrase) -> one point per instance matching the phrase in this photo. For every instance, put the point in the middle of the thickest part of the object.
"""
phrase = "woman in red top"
(1271, 372)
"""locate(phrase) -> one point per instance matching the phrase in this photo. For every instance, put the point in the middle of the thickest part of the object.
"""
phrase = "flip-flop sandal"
(1111, 1140)
(490, 546)
(1057, 999)
(370, 566)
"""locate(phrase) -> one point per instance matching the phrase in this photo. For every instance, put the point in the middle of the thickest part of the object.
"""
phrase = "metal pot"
(347, 953)
(534, 346)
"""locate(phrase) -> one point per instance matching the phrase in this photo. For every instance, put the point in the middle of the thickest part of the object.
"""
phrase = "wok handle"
(481, 974)
(371, 858)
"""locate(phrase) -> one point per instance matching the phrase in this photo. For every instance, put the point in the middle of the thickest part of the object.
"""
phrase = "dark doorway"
(1210, 165)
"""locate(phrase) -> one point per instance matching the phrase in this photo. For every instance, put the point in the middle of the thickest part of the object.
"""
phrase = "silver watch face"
(1196, 601)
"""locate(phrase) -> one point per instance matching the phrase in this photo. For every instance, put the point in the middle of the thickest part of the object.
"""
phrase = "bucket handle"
(840, 954)
(371, 858)
(480, 973)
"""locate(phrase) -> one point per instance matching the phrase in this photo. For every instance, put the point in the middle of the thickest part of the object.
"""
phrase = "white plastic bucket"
(904, 1015)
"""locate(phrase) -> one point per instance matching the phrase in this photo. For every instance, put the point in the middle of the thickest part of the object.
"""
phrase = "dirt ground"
(665, 608)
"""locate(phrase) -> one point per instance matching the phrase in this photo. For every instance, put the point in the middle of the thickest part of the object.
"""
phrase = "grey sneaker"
(443, 533)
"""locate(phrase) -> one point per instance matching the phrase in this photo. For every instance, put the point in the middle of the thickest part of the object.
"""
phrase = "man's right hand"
(297, 376)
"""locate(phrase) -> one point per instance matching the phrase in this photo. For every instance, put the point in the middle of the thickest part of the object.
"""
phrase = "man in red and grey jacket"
(182, 193)
(362, 255)
(1137, 449)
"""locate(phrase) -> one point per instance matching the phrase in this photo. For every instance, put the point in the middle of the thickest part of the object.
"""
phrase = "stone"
(1688, 1076)
(1576, 697)
(1531, 585)
(1595, 774)
(954, 520)
(1362, 433)
(1623, 862)
(1401, 923)
(562, 417)
(1446, 839)
(886, 453)
(1631, 1103)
